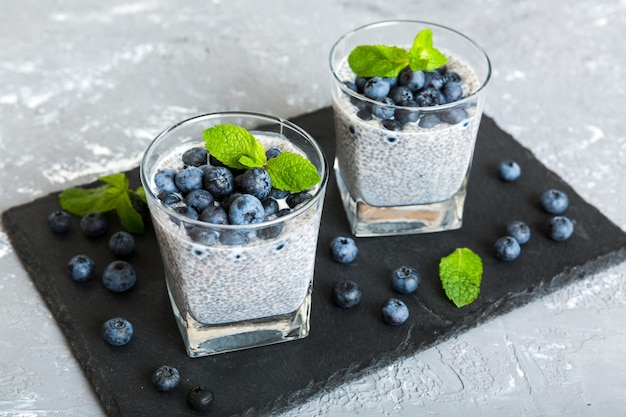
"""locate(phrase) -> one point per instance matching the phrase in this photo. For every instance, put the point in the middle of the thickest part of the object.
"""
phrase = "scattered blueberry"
(199, 199)
(164, 180)
(346, 294)
(560, 228)
(519, 231)
(165, 378)
(376, 87)
(255, 181)
(343, 249)
(509, 171)
(119, 276)
(189, 179)
(81, 268)
(218, 181)
(507, 248)
(59, 221)
(200, 399)
(246, 209)
(195, 156)
(122, 243)
(405, 279)
(117, 331)
(93, 224)
(554, 201)
(395, 312)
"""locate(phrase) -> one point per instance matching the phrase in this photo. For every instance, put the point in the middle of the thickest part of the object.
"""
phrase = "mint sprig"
(115, 194)
(388, 61)
(461, 274)
(237, 148)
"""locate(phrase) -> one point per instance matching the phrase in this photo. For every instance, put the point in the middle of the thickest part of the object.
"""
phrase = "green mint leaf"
(461, 274)
(141, 193)
(292, 172)
(130, 219)
(118, 180)
(378, 60)
(234, 146)
(80, 201)
(422, 55)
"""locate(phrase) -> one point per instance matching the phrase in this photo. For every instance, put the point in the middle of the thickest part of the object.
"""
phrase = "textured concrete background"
(85, 85)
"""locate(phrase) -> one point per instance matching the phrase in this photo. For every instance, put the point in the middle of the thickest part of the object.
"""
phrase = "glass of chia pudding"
(408, 98)
(238, 244)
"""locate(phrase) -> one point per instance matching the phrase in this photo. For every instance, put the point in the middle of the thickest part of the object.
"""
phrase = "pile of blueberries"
(207, 191)
(409, 90)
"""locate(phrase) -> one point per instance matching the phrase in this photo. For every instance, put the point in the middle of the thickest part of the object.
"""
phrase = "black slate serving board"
(343, 344)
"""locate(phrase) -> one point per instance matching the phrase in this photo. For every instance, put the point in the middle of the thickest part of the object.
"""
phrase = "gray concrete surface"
(85, 85)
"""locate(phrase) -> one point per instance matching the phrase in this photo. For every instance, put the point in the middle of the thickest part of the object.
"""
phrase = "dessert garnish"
(461, 274)
(115, 194)
(388, 61)
(236, 147)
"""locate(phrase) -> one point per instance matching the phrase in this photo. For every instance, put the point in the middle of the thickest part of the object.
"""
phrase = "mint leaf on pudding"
(234, 146)
(461, 274)
(292, 172)
(422, 55)
(378, 60)
(114, 195)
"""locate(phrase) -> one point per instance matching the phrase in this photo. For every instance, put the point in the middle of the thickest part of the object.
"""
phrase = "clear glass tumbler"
(406, 173)
(233, 287)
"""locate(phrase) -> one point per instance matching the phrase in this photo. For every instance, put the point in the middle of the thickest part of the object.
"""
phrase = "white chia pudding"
(219, 283)
(409, 167)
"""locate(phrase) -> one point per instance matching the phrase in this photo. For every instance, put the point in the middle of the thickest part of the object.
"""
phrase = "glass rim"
(426, 109)
(240, 227)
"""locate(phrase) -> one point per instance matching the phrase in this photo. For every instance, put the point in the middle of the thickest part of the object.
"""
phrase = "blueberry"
(429, 97)
(507, 248)
(554, 201)
(59, 221)
(255, 181)
(117, 331)
(200, 399)
(164, 180)
(169, 198)
(195, 157)
(165, 378)
(122, 243)
(218, 181)
(246, 209)
(376, 87)
(509, 171)
(400, 93)
(214, 214)
(560, 228)
(270, 232)
(199, 199)
(392, 124)
(187, 212)
(277, 194)
(93, 224)
(270, 205)
(273, 152)
(189, 179)
(351, 85)
(343, 249)
(227, 201)
(119, 276)
(295, 199)
(451, 77)
(392, 81)
(428, 121)
(365, 113)
(384, 110)
(359, 82)
(404, 116)
(433, 79)
(453, 116)
(346, 294)
(405, 279)
(452, 92)
(203, 236)
(233, 238)
(414, 80)
(394, 312)
(81, 268)
(519, 231)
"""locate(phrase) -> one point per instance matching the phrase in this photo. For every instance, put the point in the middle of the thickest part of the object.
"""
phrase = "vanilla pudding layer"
(408, 167)
(224, 284)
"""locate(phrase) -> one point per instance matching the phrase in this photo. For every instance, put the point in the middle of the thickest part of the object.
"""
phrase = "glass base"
(367, 221)
(205, 339)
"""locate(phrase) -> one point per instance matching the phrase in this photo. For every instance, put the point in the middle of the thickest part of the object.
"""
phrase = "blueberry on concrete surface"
(554, 201)
(200, 399)
(164, 180)
(93, 224)
(59, 221)
(394, 312)
(189, 179)
(246, 209)
(560, 228)
(343, 249)
(519, 231)
(199, 199)
(346, 294)
(196, 156)
(405, 279)
(509, 171)
(119, 276)
(122, 243)
(117, 331)
(165, 378)
(255, 181)
(507, 248)
(81, 268)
